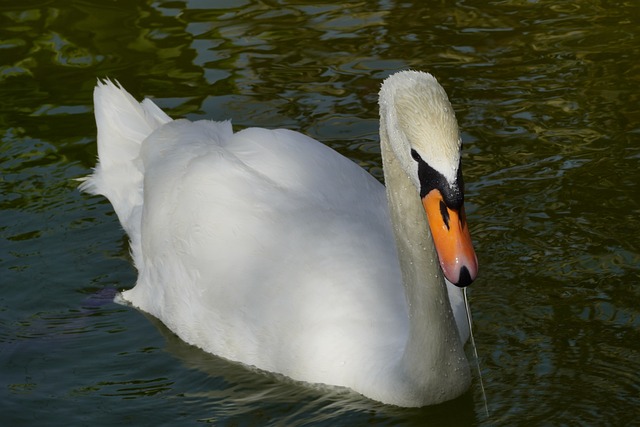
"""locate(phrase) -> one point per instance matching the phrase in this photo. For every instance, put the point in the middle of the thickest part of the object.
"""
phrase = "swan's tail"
(123, 123)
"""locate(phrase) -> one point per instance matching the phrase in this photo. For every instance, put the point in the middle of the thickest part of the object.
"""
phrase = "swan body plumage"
(269, 248)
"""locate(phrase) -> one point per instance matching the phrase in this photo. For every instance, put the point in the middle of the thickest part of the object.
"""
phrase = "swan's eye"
(445, 214)
(415, 155)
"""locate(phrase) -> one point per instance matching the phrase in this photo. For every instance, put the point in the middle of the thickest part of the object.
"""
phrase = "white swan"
(268, 248)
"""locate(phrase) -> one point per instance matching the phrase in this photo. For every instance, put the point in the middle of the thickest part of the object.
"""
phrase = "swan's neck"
(433, 367)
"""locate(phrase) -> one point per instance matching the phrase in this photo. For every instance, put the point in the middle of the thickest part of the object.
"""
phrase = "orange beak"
(452, 240)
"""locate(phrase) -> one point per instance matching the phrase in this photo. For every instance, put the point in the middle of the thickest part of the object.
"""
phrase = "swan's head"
(423, 133)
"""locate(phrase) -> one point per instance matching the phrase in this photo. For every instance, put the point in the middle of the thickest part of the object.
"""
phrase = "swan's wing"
(233, 221)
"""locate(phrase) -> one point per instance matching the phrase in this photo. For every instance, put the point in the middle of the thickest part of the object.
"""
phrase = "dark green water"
(546, 93)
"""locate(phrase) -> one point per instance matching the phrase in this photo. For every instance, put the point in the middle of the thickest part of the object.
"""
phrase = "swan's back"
(261, 249)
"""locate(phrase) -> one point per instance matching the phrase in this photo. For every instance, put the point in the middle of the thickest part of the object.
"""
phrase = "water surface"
(547, 97)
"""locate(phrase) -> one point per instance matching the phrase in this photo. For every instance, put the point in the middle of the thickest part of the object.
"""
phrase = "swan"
(268, 248)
